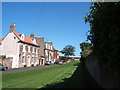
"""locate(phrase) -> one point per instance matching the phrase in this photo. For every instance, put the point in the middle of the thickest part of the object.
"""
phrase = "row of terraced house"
(19, 50)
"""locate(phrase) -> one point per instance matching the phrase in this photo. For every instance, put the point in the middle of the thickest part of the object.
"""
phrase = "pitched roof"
(26, 39)
(1, 39)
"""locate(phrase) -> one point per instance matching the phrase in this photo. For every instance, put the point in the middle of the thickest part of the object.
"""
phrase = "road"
(24, 69)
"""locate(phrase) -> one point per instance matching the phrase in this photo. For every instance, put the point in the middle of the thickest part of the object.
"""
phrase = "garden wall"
(7, 62)
(110, 80)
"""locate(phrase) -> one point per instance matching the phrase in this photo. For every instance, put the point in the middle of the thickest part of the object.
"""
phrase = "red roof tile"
(26, 39)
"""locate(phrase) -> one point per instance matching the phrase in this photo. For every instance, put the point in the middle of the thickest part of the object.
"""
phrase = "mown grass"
(81, 78)
(38, 78)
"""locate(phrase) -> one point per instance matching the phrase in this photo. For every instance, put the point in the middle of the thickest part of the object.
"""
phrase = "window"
(21, 48)
(32, 59)
(36, 50)
(34, 41)
(28, 48)
(23, 59)
(14, 37)
(20, 35)
(24, 48)
(33, 50)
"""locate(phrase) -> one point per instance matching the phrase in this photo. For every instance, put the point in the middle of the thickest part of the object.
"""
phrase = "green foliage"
(104, 19)
(65, 59)
(68, 50)
(86, 49)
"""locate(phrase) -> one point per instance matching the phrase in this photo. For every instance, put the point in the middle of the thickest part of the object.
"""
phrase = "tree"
(86, 49)
(68, 51)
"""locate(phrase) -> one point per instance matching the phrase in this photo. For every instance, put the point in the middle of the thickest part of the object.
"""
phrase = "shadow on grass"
(80, 79)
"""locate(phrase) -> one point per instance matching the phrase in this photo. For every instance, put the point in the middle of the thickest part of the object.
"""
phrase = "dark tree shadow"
(81, 78)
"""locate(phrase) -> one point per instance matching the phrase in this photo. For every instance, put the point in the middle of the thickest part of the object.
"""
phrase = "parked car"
(60, 62)
(3, 67)
(48, 63)
(56, 62)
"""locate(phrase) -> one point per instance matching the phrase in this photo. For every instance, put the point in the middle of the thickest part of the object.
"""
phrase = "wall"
(27, 51)
(106, 80)
(41, 43)
(0, 49)
(11, 48)
(7, 62)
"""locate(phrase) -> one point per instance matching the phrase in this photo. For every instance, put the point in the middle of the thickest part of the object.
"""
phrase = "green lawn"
(71, 75)
(81, 78)
(39, 77)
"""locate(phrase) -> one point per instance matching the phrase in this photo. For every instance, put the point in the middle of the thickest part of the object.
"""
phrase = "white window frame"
(33, 49)
(36, 60)
(24, 48)
(23, 60)
(22, 36)
(32, 60)
(28, 48)
(36, 50)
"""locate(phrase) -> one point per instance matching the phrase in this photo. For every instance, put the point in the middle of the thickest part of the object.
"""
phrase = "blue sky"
(59, 22)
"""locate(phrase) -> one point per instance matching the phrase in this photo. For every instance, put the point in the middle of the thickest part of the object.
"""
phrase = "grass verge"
(39, 77)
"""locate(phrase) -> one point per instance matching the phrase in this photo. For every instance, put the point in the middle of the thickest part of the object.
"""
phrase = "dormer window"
(34, 41)
(21, 36)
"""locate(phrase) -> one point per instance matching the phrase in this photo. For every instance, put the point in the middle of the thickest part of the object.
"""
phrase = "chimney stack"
(12, 28)
(32, 35)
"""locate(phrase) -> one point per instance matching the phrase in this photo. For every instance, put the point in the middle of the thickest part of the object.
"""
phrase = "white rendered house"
(23, 49)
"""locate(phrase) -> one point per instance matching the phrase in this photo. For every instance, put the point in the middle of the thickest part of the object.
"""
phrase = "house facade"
(56, 54)
(23, 49)
(1, 46)
(49, 51)
(26, 51)
(41, 43)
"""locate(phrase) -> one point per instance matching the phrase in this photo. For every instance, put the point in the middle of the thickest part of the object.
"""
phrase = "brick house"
(41, 43)
(56, 54)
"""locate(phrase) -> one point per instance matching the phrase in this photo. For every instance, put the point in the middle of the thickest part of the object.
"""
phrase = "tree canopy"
(86, 49)
(104, 20)
(68, 50)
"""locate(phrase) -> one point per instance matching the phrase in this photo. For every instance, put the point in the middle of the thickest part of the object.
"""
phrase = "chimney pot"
(32, 35)
(12, 28)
